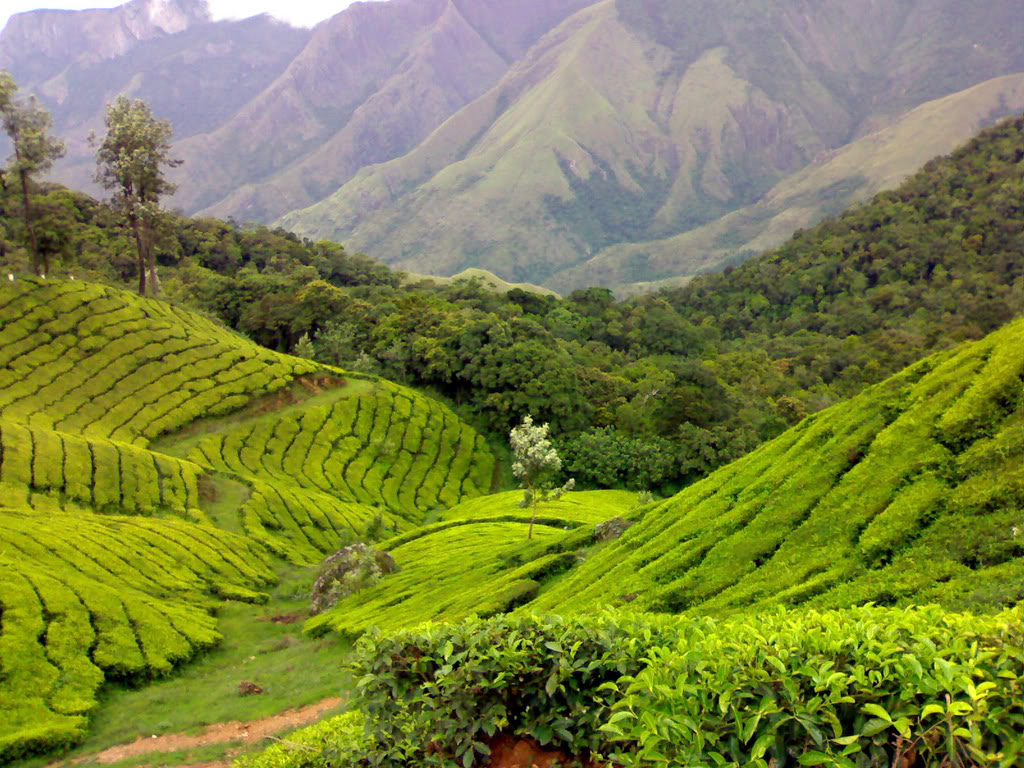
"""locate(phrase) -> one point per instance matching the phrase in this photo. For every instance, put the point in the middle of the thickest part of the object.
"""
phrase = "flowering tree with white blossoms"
(535, 463)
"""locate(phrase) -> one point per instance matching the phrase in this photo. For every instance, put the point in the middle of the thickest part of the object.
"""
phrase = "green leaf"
(874, 726)
(877, 710)
(814, 758)
(762, 745)
(552, 684)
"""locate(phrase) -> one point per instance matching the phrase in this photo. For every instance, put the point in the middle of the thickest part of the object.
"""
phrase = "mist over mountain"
(563, 142)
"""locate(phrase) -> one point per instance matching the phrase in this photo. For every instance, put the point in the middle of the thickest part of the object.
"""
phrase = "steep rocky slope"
(632, 122)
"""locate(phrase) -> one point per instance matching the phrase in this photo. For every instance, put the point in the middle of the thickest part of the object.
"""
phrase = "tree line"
(131, 159)
(652, 392)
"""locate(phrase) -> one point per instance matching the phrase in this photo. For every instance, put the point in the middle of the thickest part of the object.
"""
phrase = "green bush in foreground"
(331, 742)
(856, 688)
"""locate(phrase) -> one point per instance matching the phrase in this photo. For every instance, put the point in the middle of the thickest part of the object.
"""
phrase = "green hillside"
(473, 561)
(615, 148)
(154, 465)
(912, 492)
(836, 180)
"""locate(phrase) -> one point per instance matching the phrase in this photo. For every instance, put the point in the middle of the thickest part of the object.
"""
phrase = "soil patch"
(244, 731)
(285, 618)
(522, 752)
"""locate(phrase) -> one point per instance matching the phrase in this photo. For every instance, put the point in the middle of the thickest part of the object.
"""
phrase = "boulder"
(611, 529)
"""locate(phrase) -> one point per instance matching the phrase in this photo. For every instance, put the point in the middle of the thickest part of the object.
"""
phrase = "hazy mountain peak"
(36, 45)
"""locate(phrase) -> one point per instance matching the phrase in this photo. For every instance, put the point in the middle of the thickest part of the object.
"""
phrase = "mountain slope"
(832, 183)
(910, 492)
(372, 83)
(154, 464)
(629, 123)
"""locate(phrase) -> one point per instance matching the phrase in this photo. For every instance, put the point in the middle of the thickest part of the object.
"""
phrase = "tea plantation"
(473, 561)
(154, 465)
(751, 651)
(123, 423)
(912, 492)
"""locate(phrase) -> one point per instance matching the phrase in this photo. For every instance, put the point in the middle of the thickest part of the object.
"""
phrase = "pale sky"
(301, 13)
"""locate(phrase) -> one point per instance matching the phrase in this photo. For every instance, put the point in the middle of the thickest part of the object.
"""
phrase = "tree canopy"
(131, 161)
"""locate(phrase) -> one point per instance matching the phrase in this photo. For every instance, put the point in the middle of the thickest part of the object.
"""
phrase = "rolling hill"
(154, 464)
(912, 492)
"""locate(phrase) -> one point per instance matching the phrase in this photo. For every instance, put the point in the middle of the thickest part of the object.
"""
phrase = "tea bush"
(853, 689)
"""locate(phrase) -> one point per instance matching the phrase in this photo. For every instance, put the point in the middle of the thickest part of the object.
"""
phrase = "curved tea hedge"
(85, 597)
(83, 358)
(480, 561)
(910, 492)
(95, 472)
(387, 448)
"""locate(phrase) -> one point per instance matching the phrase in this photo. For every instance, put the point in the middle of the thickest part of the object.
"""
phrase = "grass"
(293, 670)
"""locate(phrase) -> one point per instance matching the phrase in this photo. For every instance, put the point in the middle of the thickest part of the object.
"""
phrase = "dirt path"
(245, 732)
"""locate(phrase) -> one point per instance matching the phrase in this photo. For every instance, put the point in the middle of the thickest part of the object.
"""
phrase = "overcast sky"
(303, 13)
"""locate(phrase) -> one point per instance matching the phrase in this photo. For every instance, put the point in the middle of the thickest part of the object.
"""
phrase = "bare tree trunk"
(26, 208)
(141, 252)
(154, 281)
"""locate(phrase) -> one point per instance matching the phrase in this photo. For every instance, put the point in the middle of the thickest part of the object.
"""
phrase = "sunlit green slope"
(478, 559)
(912, 492)
(152, 464)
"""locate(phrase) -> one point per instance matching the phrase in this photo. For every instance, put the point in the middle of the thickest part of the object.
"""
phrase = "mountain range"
(560, 142)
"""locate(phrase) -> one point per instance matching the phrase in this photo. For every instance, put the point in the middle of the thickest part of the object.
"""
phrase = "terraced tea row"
(87, 597)
(85, 359)
(102, 474)
(912, 491)
(471, 563)
(387, 448)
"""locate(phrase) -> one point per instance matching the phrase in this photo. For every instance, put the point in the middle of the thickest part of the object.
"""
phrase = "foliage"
(131, 160)
(336, 741)
(304, 347)
(534, 463)
(27, 125)
(436, 695)
(862, 687)
(348, 571)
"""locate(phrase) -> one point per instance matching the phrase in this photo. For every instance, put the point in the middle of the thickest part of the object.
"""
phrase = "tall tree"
(131, 161)
(28, 126)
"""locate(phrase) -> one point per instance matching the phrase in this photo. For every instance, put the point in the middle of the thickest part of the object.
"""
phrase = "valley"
(673, 415)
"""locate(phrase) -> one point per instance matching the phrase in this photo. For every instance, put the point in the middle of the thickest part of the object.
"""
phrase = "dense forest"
(648, 393)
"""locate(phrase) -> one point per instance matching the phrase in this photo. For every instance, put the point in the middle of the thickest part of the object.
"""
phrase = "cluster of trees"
(652, 392)
(131, 160)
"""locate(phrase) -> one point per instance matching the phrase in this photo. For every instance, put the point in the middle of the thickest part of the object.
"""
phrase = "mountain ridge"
(564, 143)
(608, 161)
